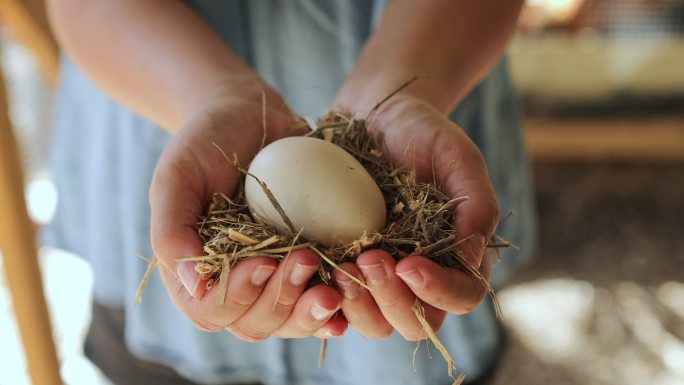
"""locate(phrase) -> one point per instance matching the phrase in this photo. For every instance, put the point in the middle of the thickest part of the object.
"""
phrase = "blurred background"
(602, 87)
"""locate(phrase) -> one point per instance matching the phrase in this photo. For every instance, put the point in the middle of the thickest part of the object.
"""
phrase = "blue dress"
(104, 156)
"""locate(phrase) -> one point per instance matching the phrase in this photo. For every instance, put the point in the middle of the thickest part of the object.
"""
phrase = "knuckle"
(247, 334)
(283, 304)
(303, 330)
(205, 325)
(237, 303)
(227, 313)
(388, 302)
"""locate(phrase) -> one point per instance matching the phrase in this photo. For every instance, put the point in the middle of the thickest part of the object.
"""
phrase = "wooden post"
(28, 20)
(18, 246)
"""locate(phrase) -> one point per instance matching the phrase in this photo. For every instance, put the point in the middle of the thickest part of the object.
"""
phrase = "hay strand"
(151, 264)
(419, 311)
(323, 352)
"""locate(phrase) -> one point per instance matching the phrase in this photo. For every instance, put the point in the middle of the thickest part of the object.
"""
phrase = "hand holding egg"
(190, 170)
(419, 137)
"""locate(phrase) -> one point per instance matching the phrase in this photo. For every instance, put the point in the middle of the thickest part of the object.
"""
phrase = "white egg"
(321, 188)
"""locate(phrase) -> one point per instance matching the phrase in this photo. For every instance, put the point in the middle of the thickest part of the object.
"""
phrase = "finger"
(358, 304)
(452, 290)
(278, 298)
(313, 310)
(245, 282)
(462, 169)
(335, 327)
(394, 299)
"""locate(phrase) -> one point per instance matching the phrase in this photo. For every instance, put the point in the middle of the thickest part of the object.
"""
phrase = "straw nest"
(419, 222)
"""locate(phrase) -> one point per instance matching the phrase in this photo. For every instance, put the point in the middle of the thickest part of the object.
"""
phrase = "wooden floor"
(653, 139)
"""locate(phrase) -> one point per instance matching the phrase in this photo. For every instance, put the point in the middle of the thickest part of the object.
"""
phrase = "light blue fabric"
(103, 160)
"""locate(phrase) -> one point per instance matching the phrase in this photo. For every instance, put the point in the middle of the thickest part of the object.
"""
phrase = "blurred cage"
(615, 18)
(602, 79)
(600, 50)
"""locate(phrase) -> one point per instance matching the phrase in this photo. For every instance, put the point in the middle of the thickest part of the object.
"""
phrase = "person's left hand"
(420, 137)
(263, 297)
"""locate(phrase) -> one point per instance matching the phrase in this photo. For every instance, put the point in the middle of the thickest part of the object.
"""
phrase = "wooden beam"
(28, 20)
(18, 246)
(624, 139)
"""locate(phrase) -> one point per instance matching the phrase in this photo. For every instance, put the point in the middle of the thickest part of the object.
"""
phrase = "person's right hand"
(263, 297)
(419, 137)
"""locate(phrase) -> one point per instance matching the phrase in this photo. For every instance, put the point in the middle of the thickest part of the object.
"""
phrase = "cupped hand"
(263, 297)
(421, 138)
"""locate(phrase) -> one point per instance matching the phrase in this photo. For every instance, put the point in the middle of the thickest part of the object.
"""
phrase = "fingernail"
(301, 273)
(320, 313)
(412, 277)
(350, 289)
(472, 250)
(188, 276)
(375, 274)
(261, 274)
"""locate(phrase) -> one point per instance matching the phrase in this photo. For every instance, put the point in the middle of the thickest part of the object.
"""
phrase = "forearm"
(158, 57)
(450, 44)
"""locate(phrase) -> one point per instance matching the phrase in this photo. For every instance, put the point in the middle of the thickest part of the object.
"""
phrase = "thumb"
(176, 204)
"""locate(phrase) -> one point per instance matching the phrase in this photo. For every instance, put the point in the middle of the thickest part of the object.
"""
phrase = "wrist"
(233, 116)
(236, 91)
(400, 109)
(360, 95)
